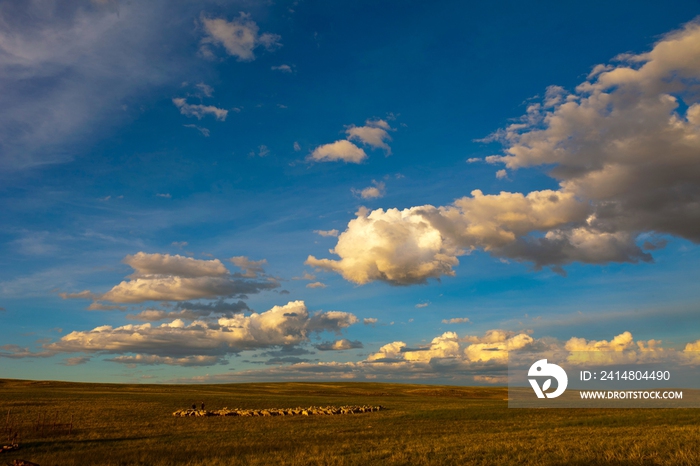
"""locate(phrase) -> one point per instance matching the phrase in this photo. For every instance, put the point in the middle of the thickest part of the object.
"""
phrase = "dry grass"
(133, 424)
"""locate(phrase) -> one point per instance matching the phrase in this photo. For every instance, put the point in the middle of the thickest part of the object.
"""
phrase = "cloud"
(96, 306)
(263, 151)
(208, 91)
(250, 268)
(624, 148)
(693, 346)
(18, 352)
(399, 247)
(164, 195)
(371, 192)
(422, 305)
(449, 358)
(63, 72)
(456, 320)
(200, 342)
(164, 264)
(338, 345)
(620, 350)
(502, 174)
(373, 134)
(316, 285)
(369, 321)
(163, 277)
(621, 342)
(305, 276)
(199, 111)
(185, 361)
(76, 361)
(282, 68)
(339, 150)
(296, 146)
(495, 345)
(192, 311)
(326, 232)
(238, 37)
(203, 131)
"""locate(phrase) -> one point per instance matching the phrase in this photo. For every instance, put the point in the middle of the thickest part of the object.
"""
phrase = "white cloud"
(238, 37)
(316, 285)
(456, 320)
(339, 150)
(207, 90)
(163, 277)
(282, 68)
(501, 174)
(164, 195)
(372, 192)
(422, 305)
(396, 246)
(625, 153)
(296, 146)
(369, 321)
(63, 69)
(374, 134)
(203, 131)
(326, 232)
(198, 110)
(204, 343)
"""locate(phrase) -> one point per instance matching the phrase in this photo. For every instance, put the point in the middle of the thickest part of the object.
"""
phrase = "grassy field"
(133, 424)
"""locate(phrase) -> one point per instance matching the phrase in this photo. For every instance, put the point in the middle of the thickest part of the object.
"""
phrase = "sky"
(236, 191)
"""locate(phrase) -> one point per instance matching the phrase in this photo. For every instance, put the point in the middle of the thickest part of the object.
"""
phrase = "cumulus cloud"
(316, 285)
(400, 247)
(192, 311)
(339, 150)
(201, 342)
(164, 277)
(338, 345)
(625, 149)
(621, 349)
(373, 134)
(371, 192)
(369, 321)
(199, 111)
(239, 37)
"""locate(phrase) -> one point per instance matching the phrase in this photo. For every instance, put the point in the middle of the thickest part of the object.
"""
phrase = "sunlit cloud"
(239, 37)
(623, 150)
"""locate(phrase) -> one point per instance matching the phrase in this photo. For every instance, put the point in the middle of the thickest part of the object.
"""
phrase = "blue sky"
(142, 147)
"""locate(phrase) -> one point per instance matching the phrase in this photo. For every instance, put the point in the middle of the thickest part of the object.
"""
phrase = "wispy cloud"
(239, 37)
(199, 111)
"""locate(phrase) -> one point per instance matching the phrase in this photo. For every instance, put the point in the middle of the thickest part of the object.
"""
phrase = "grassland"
(436, 425)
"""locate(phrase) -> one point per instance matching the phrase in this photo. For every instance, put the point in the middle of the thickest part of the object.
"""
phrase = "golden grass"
(435, 425)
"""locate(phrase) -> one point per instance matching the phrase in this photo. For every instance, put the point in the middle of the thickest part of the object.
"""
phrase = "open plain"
(419, 424)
